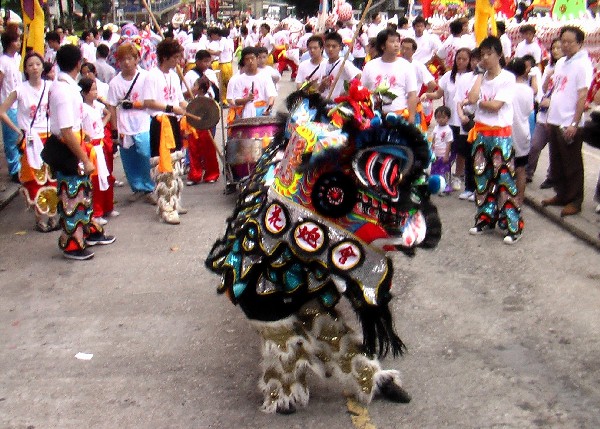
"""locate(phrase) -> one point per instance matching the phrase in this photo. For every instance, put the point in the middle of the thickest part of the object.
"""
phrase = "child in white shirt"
(521, 134)
(440, 144)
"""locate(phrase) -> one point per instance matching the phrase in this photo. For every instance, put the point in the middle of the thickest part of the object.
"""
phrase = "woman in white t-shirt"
(31, 97)
(493, 153)
(447, 89)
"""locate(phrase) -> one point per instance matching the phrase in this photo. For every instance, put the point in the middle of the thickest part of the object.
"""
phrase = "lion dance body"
(328, 198)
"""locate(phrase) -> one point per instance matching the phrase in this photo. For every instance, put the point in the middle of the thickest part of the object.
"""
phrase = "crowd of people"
(65, 115)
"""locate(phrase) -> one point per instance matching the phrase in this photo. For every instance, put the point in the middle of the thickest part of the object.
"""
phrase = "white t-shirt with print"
(427, 45)
(569, 76)
(162, 87)
(227, 50)
(442, 137)
(422, 74)
(92, 120)
(523, 106)
(306, 68)
(501, 88)
(9, 67)
(449, 89)
(330, 71)
(398, 76)
(260, 84)
(129, 121)
(463, 85)
(28, 98)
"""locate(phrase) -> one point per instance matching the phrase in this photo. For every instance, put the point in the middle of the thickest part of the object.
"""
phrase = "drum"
(247, 139)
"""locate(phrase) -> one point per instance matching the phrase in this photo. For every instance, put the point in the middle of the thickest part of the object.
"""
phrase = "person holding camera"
(130, 122)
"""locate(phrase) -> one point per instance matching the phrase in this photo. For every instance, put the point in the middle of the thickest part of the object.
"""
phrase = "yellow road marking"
(360, 415)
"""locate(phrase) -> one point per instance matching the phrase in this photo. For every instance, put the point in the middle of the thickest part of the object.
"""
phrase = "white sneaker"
(471, 197)
(100, 221)
(119, 184)
(512, 238)
(597, 210)
(465, 195)
(114, 213)
(172, 218)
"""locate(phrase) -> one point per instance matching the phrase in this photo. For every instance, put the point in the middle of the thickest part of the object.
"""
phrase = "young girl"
(31, 96)
(493, 154)
(95, 118)
(441, 142)
(204, 166)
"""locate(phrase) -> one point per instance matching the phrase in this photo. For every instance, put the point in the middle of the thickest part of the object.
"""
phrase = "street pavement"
(498, 336)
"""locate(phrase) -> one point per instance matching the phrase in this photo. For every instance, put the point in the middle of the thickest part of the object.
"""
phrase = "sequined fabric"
(495, 188)
(75, 211)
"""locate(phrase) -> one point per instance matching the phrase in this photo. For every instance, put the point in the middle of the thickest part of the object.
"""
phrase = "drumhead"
(258, 120)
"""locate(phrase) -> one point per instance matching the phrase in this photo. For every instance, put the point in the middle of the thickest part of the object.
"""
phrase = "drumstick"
(354, 36)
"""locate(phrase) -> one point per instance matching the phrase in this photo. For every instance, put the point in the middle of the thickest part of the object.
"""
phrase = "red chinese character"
(346, 253)
(275, 218)
(310, 236)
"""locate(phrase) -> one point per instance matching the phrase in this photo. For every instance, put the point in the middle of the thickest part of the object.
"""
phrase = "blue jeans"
(136, 163)
(11, 150)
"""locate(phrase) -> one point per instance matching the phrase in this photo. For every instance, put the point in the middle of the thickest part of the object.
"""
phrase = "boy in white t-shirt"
(441, 142)
(493, 155)
(521, 133)
(331, 68)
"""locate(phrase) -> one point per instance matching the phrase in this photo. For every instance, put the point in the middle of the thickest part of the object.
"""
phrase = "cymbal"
(203, 113)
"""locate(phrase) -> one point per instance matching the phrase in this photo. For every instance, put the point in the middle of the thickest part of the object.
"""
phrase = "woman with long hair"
(447, 89)
(31, 99)
(539, 138)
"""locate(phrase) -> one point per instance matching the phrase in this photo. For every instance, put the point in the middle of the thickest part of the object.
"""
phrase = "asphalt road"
(498, 336)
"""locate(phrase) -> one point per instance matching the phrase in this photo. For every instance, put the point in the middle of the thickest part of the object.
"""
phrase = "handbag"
(59, 157)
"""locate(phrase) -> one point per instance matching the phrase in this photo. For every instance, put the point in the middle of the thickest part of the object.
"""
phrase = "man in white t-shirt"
(88, 48)
(65, 117)
(505, 40)
(459, 38)
(310, 70)
(253, 93)
(333, 66)
(164, 101)
(427, 45)
(495, 190)
(302, 41)
(389, 73)
(529, 44)
(572, 78)
(197, 44)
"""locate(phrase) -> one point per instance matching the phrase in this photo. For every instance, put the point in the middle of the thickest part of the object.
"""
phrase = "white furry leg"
(340, 351)
(286, 355)
(168, 189)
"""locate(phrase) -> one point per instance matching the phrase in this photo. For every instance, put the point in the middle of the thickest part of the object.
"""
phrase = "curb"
(8, 195)
(578, 232)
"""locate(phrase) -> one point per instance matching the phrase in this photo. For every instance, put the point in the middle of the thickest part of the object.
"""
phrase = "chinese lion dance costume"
(329, 196)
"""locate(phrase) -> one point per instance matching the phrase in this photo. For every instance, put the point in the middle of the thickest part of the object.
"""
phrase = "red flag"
(426, 11)
(507, 7)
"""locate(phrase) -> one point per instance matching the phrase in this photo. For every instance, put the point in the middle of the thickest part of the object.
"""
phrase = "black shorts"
(155, 134)
(461, 147)
(521, 161)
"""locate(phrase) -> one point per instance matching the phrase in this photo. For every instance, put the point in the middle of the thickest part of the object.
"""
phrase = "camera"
(127, 104)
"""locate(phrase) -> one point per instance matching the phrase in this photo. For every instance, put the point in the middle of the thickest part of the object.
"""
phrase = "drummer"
(252, 93)
(164, 101)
